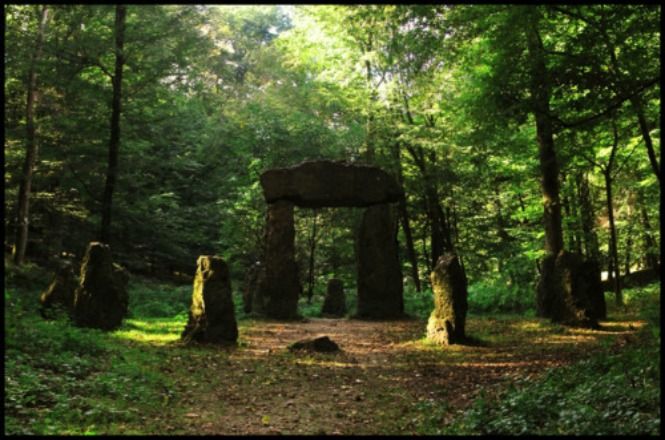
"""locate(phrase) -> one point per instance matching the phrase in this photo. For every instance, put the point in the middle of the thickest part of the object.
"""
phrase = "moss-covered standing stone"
(101, 300)
(334, 303)
(447, 321)
(211, 315)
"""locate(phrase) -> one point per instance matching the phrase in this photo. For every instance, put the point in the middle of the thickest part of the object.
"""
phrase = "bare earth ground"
(379, 384)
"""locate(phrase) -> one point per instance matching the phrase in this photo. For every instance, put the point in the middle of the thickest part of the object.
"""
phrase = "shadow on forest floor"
(378, 383)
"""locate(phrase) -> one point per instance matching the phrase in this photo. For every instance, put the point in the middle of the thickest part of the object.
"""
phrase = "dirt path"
(383, 382)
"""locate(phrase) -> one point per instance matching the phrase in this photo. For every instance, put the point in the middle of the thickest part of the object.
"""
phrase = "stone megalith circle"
(334, 303)
(211, 314)
(326, 183)
(100, 300)
(449, 286)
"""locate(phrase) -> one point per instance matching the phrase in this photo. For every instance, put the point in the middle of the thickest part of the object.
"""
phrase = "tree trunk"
(116, 108)
(614, 256)
(404, 218)
(644, 129)
(547, 294)
(312, 249)
(31, 152)
(650, 255)
(587, 216)
(549, 169)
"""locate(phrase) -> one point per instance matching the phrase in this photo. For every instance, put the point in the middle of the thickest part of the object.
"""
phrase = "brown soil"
(379, 384)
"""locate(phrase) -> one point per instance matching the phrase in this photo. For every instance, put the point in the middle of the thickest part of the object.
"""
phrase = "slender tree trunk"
(629, 248)
(31, 152)
(116, 108)
(588, 218)
(404, 216)
(614, 255)
(549, 169)
(650, 256)
(369, 128)
(644, 129)
(312, 249)
(568, 213)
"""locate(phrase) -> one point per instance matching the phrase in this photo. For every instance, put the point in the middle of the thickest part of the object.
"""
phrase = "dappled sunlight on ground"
(384, 371)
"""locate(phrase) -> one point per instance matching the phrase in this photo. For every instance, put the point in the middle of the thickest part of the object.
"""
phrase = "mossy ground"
(140, 379)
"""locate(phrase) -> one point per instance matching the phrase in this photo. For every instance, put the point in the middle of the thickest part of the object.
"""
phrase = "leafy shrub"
(499, 296)
(148, 299)
(418, 304)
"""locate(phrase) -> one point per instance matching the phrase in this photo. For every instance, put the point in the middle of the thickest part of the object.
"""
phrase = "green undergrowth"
(614, 392)
(65, 380)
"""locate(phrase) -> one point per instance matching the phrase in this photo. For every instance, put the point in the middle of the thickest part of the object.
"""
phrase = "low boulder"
(322, 344)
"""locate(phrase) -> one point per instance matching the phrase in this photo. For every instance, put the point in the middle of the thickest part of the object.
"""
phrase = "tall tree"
(116, 109)
(31, 151)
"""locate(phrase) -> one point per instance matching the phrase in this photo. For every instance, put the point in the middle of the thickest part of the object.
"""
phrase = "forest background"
(514, 132)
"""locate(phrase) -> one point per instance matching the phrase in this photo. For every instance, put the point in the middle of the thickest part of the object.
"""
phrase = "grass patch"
(615, 392)
(65, 380)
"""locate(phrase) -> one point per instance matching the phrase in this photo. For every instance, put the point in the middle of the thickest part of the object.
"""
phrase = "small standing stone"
(334, 303)
(251, 283)
(60, 293)
(446, 323)
(211, 315)
(100, 301)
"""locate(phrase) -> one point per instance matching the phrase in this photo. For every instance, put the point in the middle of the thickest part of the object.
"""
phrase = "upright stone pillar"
(379, 273)
(447, 321)
(577, 289)
(278, 285)
(211, 315)
(334, 303)
(100, 301)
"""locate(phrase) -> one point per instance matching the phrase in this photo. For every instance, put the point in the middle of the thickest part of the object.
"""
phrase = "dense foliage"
(437, 95)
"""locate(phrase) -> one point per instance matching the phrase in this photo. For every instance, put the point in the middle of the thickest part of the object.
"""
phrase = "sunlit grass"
(158, 331)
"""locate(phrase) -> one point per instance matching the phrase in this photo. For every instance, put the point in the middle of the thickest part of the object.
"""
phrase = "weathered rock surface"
(594, 287)
(101, 300)
(569, 291)
(329, 183)
(574, 305)
(379, 274)
(449, 286)
(335, 303)
(321, 344)
(278, 284)
(211, 314)
(60, 293)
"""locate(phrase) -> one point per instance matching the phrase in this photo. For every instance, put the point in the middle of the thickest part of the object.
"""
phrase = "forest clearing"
(332, 219)
(388, 379)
